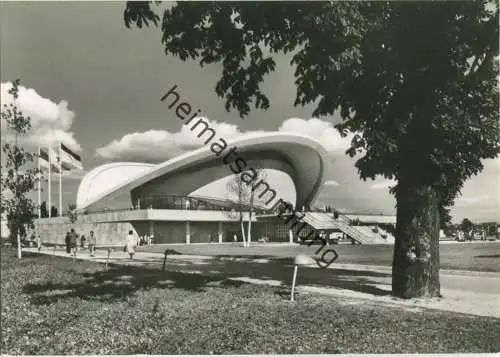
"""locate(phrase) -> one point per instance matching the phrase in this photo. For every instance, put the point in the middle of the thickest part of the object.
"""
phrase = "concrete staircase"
(361, 234)
(368, 231)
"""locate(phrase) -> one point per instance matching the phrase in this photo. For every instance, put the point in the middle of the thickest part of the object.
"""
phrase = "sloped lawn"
(54, 306)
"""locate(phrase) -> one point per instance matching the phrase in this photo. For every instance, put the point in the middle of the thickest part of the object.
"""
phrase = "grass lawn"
(52, 305)
(478, 256)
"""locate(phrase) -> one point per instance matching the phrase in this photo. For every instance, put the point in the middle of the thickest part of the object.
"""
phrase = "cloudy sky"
(96, 85)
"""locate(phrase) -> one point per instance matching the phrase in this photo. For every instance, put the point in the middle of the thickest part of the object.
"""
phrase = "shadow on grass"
(117, 283)
(243, 256)
(360, 281)
(26, 254)
(120, 282)
(488, 256)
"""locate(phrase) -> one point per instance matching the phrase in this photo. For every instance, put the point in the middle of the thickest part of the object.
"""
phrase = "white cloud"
(480, 198)
(383, 184)
(469, 201)
(331, 183)
(50, 122)
(157, 145)
(321, 130)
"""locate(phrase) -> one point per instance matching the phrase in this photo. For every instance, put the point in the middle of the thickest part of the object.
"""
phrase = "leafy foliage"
(466, 226)
(416, 80)
(444, 217)
(140, 13)
(20, 209)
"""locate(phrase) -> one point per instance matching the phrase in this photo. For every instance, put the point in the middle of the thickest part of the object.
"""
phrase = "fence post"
(295, 268)
(164, 261)
(300, 259)
(107, 259)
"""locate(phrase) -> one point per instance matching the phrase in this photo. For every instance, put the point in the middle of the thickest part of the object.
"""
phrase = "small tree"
(466, 226)
(19, 208)
(71, 213)
(244, 190)
(491, 229)
(236, 187)
(258, 176)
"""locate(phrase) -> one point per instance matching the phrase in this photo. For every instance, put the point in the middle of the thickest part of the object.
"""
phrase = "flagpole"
(39, 186)
(50, 183)
(60, 180)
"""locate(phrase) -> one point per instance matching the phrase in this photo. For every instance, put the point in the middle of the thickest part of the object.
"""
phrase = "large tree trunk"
(415, 267)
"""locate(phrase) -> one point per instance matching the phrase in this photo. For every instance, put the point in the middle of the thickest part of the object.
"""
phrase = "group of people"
(71, 241)
(146, 239)
(331, 238)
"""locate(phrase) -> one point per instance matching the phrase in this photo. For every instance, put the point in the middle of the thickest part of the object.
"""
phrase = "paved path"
(471, 292)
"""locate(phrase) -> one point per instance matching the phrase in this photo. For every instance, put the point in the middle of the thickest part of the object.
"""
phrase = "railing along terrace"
(196, 203)
(179, 202)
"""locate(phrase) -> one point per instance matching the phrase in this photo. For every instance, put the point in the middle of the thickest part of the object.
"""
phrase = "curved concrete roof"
(301, 157)
(108, 177)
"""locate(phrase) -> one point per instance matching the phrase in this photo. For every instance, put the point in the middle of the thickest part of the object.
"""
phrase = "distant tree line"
(469, 229)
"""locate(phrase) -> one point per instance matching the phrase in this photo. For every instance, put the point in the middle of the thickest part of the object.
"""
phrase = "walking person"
(67, 241)
(73, 241)
(39, 242)
(92, 243)
(82, 241)
(130, 244)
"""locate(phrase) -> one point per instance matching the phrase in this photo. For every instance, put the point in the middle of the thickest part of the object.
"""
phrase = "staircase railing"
(356, 234)
(343, 226)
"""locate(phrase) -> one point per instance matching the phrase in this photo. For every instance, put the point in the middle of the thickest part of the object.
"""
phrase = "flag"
(47, 158)
(43, 159)
(54, 160)
(69, 159)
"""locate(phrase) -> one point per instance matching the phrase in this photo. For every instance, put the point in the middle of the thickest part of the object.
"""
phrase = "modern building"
(157, 199)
